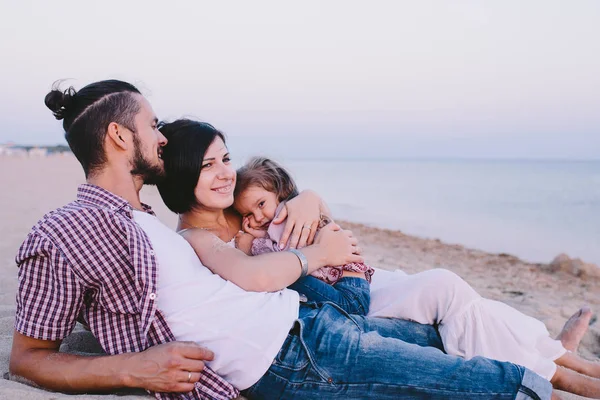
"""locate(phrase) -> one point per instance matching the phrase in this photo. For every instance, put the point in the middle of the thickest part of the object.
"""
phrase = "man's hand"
(163, 368)
(169, 367)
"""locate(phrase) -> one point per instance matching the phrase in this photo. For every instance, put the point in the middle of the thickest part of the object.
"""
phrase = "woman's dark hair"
(187, 143)
(267, 174)
(87, 113)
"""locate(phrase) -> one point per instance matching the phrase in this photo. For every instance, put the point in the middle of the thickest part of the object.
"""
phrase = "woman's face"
(217, 178)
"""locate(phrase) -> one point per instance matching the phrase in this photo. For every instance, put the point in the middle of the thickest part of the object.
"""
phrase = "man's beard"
(150, 174)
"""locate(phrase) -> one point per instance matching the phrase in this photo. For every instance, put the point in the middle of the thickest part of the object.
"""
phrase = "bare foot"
(575, 328)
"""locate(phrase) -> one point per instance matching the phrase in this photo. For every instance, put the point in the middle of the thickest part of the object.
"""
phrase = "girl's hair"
(183, 156)
(267, 174)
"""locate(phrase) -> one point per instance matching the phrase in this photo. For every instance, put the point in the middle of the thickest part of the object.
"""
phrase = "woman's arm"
(302, 212)
(273, 271)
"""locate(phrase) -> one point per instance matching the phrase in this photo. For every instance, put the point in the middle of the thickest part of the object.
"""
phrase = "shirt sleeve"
(49, 295)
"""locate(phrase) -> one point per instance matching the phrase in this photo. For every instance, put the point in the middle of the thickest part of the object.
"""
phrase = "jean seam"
(311, 358)
(346, 314)
(526, 389)
(529, 392)
(357, 302)
(356, 283)
(421, 388)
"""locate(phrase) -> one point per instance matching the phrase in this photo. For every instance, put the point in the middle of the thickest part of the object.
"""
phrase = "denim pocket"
(293, 364)
(292, 355)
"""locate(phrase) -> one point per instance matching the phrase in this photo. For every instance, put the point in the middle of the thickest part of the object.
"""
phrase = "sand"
(32, 186)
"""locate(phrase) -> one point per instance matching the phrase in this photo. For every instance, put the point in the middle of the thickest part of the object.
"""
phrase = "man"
(112, 130)
(90, 258)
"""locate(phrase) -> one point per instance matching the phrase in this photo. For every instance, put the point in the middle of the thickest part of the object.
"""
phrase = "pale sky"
(506, 78)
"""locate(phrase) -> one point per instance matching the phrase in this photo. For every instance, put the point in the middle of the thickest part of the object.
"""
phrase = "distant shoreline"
(64, 148)
(5, 148)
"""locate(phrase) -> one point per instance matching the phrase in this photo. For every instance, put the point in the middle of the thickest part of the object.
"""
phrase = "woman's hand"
(303, 214)
(339, 245)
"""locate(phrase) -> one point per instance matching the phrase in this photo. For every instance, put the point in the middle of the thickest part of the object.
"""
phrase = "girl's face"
(214, 189)
(258, 205)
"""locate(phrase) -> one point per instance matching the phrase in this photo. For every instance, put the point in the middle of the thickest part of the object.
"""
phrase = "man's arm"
(44, 317)
(162, 368)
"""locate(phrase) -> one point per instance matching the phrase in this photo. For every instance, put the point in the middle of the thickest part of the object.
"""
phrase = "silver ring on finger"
(307, 227)
(189, 376)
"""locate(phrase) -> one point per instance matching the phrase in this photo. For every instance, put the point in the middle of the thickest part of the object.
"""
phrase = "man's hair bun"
(59, 102)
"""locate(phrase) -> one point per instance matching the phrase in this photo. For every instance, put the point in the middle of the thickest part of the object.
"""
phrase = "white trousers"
(469, 324)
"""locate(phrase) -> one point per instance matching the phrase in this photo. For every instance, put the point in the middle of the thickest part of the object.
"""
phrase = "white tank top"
(244, 329)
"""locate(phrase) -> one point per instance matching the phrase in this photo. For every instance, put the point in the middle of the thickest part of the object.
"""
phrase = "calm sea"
(532, 209)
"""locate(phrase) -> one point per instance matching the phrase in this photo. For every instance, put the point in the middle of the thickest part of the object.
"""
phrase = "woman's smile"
(227, 189)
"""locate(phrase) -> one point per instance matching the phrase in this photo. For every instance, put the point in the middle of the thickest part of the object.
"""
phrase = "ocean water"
(531, 209)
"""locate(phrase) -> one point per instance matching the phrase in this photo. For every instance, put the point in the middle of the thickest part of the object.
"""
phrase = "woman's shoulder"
(197, 235)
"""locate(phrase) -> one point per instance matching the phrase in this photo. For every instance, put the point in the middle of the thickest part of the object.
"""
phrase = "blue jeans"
(330, 354)
(352, 294)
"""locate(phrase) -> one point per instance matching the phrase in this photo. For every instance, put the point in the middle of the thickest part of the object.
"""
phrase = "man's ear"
(115, 135)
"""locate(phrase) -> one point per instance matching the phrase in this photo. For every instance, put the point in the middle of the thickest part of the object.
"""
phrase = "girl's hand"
(257, 233)
(339, 245)
(243, 242)
(303, 214)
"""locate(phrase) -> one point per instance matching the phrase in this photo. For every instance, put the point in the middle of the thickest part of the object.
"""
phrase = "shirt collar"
(97, 196)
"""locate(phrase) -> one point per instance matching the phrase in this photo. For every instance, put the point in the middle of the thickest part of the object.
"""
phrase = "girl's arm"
(273, 271)
(243, 242)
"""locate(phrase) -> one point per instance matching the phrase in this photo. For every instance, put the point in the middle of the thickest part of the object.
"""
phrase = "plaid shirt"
(91, 257)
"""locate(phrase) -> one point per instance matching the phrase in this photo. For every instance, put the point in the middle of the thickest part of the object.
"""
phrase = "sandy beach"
(34, 186)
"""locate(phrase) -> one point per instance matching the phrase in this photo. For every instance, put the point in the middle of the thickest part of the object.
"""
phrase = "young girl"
(469, 325)
(261, 191)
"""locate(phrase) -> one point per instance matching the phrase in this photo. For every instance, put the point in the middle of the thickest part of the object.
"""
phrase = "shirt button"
(152, 296)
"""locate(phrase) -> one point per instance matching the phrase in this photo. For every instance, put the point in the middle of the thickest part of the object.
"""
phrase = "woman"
(205, 221)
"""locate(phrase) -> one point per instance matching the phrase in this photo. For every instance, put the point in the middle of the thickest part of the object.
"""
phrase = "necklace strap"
(205, 228)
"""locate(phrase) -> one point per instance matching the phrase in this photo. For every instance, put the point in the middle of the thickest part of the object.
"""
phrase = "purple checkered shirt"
(90, 256)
